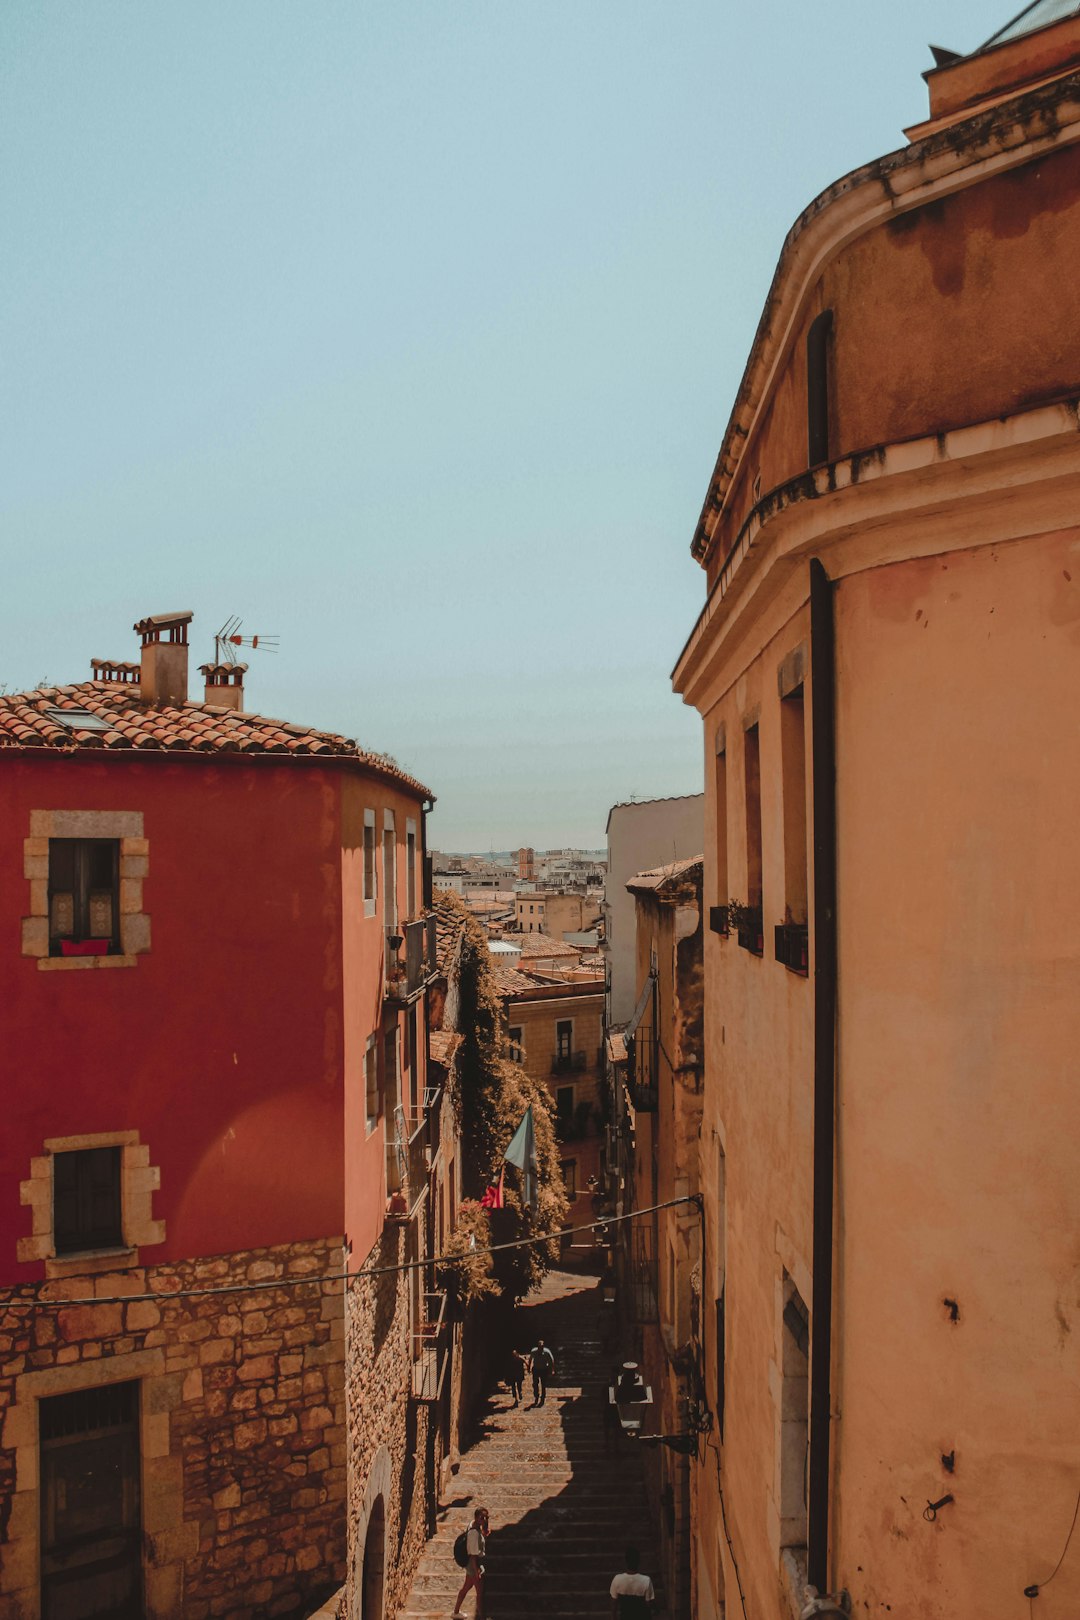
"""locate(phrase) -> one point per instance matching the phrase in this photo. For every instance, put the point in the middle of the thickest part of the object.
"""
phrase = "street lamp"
(630, 1396)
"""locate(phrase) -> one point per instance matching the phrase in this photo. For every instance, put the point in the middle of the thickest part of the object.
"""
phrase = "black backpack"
(461, 1550)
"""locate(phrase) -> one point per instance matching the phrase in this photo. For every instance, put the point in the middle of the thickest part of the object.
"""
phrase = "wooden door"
(91, 1567)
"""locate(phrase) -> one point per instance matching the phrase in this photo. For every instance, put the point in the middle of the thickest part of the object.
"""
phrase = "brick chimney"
(163, 674)
(224, 684)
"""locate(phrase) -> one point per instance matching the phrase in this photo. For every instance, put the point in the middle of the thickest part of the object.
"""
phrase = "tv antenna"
(228, 639)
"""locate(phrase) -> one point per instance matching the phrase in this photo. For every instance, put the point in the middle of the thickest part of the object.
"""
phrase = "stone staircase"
(564, 1492)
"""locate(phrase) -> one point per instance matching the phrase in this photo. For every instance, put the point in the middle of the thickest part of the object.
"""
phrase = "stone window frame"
(170, 1538)
(139, 1180)
(126, 826)
(370, 891)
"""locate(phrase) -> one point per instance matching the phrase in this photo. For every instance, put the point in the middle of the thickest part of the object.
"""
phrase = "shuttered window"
(86, 1200)
(84, 894)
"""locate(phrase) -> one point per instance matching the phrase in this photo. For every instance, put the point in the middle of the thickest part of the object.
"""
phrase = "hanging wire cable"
(1036, 1587)
(163, 1295)
(727, 1533)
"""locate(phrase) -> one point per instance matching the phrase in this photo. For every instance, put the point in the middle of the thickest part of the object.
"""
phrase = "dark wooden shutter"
(86, 1200)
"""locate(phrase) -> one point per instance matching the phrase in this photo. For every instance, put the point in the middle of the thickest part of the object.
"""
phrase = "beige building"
(885, 668)
(546, 911)
(642, 834)
(556, 1031)
(657, 1107)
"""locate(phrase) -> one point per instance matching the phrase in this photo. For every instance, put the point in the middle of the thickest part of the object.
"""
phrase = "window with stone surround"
(373, 1101)
(86, 1200)
(90, 1200)
(85, 871)
(84, 896)
(370, 877)
(517, 1044)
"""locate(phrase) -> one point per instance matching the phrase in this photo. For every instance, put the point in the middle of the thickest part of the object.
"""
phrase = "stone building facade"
(239, 1370)
(194, 1157)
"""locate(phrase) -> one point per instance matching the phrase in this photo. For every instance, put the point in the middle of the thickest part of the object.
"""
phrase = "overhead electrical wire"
(163, 1295)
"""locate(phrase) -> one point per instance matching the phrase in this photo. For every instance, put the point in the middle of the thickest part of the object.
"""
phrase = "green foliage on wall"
(493, 1094)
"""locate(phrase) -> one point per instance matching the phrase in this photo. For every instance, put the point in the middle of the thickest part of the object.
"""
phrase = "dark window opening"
(569, 1175)
(564, 1038)
(818, 357)
(723, 894)
(84, 896)
(86, 1200)
(564, 1110)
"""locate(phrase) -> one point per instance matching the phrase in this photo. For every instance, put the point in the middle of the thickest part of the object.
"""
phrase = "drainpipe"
(822, 701)
(427, 888)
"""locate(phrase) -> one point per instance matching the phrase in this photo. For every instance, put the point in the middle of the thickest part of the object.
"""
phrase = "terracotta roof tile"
(660, 876)
(543, 945)
(443, 1044)
(183, 729)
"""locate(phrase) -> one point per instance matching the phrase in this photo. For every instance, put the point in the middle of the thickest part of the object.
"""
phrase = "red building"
(215, 1025)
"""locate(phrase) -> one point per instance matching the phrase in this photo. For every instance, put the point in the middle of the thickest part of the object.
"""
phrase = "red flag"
(493, 1197)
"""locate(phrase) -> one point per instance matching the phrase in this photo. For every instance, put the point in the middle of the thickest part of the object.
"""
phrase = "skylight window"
(79, 720)
(1040, 14)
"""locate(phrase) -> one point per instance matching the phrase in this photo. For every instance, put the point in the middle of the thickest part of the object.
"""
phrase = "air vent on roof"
(78, 720)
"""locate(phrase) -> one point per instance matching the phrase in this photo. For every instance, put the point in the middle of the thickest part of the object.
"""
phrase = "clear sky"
(409, 332)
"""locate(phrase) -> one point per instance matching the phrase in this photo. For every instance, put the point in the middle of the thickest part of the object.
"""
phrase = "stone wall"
(394, 1460)
(242, 1422)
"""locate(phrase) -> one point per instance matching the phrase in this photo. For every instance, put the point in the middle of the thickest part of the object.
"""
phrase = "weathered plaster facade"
(944, 517)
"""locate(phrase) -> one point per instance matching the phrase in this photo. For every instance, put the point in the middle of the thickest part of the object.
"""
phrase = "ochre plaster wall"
(958, 777)
(952, 313)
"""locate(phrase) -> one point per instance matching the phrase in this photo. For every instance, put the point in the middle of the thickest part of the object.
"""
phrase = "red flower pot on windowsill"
(84, 947)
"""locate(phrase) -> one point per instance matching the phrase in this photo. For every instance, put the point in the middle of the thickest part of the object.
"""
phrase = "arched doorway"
(371, 1592)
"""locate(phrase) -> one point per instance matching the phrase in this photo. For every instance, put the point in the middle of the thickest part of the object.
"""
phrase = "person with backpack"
(469, 1550)
(632, 1595)
(543, 1370)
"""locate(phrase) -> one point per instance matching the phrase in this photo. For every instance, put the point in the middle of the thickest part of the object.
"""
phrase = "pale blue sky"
(410, 331)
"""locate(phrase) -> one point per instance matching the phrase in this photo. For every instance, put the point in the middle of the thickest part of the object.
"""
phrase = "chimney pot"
(114, 672)
(163, 673)
(224, 684)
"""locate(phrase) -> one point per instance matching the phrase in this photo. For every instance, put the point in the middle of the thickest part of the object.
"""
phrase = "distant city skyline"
(410, 335)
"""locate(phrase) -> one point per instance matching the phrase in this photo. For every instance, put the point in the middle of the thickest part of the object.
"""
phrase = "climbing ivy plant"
(492, 1095)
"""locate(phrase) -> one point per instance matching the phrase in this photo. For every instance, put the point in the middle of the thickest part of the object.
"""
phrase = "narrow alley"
(562, 1507)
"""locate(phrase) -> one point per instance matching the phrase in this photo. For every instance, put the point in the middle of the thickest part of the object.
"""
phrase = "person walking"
(476, 1546)
(632, 1595)
(516, 1375)
(543, 1370)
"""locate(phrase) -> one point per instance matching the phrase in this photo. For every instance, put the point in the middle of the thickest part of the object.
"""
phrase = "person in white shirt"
(476, 1547)
(632, 1595)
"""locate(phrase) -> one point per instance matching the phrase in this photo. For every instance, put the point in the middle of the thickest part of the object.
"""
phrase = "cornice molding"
(992, 142)
(960, 488)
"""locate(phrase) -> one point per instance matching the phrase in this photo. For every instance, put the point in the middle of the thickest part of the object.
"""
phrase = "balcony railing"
(411, 958)
(408, 1156)
(570, 1063)
(792, 944)
(641, 1069)
(430, 1343)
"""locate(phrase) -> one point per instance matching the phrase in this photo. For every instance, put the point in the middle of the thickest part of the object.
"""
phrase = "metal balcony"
(570, 1063)
(408, 1156)
(411, 959)
(430, 1347)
